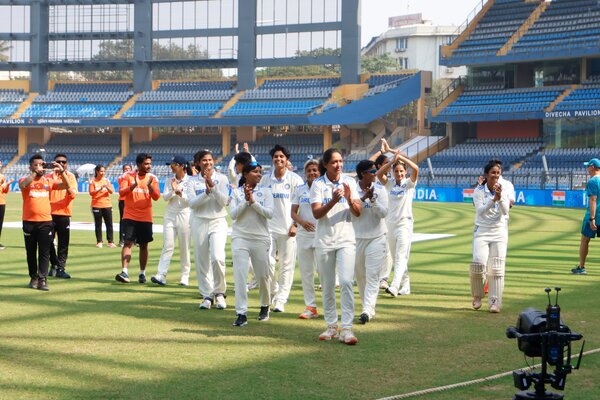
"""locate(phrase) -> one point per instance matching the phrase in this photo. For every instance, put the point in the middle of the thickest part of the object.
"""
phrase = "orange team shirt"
(3, 191)
(36, 199)
(138, 203)
(100, 196)
(61, 201)
(119, 180)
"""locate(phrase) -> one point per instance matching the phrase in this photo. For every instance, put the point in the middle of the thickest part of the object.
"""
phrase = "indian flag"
(468, 195)
(558, 198)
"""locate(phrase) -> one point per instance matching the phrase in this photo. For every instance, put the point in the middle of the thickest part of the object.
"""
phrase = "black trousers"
(2, 211)
(106, 215)
(38, 240)
(62, 230)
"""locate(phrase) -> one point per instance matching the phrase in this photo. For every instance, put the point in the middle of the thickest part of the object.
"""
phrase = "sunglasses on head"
(253, 164)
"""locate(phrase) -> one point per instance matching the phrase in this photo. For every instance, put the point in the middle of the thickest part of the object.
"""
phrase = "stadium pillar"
(39, 15)
(29, 136)
(124, 141)
(225, 140)
(420, 115)
(350, 52)
(327, 137)
(141, 134)
(246, 134)
(247, 45)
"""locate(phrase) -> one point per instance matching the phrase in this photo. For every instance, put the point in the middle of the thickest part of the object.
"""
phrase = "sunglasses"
(253, 164)
(372, 171)
(61, 161)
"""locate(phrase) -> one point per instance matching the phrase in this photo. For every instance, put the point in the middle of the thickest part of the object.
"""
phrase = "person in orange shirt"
(100, 189)
(38, 228)
(61, 208)
(4, 188)
(139, 188)
(126, 169)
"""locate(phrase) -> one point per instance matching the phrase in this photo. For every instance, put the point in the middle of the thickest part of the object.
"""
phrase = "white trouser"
(176, 225)
(342, 260)
(386, 268)
(284, 247)
(399, 240)
(307, 264)
(244, 251)
(371, 254)
(489, 248)
(210, 238)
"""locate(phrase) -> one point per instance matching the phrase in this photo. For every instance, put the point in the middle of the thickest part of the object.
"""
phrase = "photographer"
(38, 228)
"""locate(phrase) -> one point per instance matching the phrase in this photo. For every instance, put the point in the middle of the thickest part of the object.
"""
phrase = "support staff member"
(38, 228)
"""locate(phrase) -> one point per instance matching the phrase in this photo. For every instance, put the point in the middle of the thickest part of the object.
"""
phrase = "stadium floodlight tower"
(544, 334)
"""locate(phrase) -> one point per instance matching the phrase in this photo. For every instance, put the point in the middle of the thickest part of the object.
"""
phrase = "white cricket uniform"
(509, 188)
(250, 242)
(371, 246)
(209, 228)
(305, 242)
(399, 221)
(490, 242)
(283, 246)
(335, 247)
(176, 223)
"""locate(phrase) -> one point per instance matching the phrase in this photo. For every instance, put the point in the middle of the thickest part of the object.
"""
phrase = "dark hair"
(252, 165)
(35, 157)
(97, 169)
(399, 162)
(125, 165)
(200, 155)
(492, 163)
(380, 160)
(327, 154)
(142, 157)
(362, 166)
(321, 166)
(280, 148)
(243, 157)
(61, 155)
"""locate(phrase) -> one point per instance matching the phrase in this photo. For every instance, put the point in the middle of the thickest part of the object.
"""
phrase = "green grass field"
(93, 338)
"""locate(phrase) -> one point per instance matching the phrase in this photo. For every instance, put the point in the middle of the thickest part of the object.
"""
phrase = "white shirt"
(250, 221)
(282, 190)
(400, 199)
(301, 198)
(371, 223)
(489, 213)
(334, 230)
(175, 203)
(211, 205)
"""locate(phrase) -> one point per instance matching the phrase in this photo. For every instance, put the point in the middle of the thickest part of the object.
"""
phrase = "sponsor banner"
(525, 197)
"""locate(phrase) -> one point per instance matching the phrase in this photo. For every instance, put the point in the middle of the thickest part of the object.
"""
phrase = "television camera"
(545, 335)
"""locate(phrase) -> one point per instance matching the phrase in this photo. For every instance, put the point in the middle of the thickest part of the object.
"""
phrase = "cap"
(594, 161)
(178, 160)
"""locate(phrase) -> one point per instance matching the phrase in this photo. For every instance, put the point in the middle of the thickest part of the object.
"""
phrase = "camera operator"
(38, 228)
